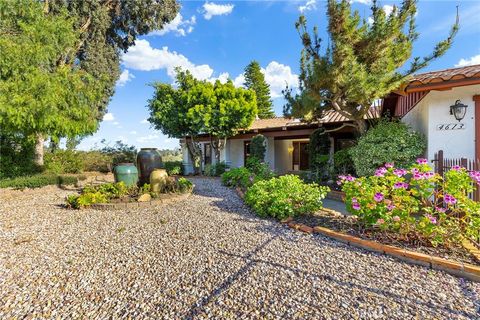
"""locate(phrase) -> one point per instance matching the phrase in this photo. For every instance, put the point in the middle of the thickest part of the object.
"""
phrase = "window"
(207, 151)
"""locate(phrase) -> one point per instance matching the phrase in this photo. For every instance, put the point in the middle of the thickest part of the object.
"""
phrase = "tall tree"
(225, 112)
(196, 107)
(255, 80)
(364, 62)
(41, 94)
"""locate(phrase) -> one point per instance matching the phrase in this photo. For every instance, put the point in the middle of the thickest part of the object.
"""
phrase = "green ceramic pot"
(126, 172)
(148, 159)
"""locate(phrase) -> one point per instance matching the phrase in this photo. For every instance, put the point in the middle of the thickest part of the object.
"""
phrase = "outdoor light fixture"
(290, 149)
(458, 110)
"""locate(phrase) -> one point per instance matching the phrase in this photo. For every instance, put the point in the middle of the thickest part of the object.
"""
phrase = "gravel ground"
(206, 257)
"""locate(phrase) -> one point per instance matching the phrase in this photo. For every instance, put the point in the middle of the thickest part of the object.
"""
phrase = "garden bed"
(351, 226)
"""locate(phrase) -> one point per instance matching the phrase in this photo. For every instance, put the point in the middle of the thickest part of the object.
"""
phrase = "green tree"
(193, 107)
(255, 80)
(42, 90)
(364, 62)
(223, 111)
(169, 112)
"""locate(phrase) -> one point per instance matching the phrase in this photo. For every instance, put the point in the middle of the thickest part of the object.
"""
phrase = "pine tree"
(364, 62)
(255, 80)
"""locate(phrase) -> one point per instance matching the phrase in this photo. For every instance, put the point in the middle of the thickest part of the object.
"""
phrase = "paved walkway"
(336, 205)
(205, 258)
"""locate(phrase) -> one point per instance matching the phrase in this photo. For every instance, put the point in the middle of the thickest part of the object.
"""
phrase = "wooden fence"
(443, 164)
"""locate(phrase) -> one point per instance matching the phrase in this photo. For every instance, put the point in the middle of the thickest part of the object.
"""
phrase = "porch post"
(476, 98)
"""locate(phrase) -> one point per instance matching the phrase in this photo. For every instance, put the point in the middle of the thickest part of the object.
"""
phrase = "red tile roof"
(331, 116)
(446, 75)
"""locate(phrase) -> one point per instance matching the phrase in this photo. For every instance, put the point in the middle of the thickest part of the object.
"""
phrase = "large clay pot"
(127, 173)
(158, 179)
(148, 159)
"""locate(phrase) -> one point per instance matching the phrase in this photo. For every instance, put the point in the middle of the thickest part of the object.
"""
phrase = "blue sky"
(218, 39)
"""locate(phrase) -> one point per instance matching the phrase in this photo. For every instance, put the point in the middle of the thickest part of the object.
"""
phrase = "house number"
(450, 126)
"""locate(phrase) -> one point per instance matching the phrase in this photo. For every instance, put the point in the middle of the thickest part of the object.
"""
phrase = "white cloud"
(144, 121)
(223, 78)
(148, 138)
(388, 9)
(469, 61)
(278, 76)
(309, 5)
(361, 1)
(178, 26)
(239, 80)
(133, 132)
(211, 9)
(143, 57)
(125, 77)
(108, 117)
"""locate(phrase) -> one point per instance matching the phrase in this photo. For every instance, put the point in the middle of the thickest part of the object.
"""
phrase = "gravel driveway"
(206, 257)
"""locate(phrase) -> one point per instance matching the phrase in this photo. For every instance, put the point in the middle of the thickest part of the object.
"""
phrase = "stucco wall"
(434, 110)
(236, 153)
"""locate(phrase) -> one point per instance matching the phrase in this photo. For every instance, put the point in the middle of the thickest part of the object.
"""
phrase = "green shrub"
(284, 197)
(260, 170)
(384, 143)
(238, 177)
(37, 181)
(215, 170)
(63, 161)
(173, 167)
(16, 156)
(258, 147)
(343, 163)
(184, 185)
(96, 161)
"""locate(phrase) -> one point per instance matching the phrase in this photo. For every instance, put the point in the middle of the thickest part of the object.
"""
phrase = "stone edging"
(464, 270)
(336, 195)
(134, 205)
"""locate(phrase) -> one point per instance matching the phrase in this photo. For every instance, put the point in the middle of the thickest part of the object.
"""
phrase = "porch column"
(476, 98)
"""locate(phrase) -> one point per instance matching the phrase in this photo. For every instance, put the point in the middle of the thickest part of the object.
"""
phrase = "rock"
(144, 198)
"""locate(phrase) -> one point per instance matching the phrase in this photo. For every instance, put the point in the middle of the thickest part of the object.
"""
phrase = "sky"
(217, 39)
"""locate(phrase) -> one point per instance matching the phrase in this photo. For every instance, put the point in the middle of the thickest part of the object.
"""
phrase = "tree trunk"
(38, 155)
(361, 126)
(194, 152)
(216, 146)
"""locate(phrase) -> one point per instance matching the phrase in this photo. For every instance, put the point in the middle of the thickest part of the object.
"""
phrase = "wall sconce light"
(458, 110)
(290, 149)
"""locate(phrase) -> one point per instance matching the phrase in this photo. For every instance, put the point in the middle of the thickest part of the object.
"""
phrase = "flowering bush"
(285, 196)
(416, 201)
(244, 177)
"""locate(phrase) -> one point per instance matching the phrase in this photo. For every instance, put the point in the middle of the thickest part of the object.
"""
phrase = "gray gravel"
(206, 257)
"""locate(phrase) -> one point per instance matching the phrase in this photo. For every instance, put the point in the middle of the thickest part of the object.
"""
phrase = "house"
(287, 142)
(445, 107)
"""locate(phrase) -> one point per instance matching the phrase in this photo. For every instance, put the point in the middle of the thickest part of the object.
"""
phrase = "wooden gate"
(443, 164)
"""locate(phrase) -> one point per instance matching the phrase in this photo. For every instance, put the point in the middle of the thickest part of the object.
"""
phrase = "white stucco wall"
(433, 110)
(236, 153)
(283, 159)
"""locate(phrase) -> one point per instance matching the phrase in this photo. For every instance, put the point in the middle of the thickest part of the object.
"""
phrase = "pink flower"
(390, 207)
(456, 168)
(355, 206)
(380, 172)
(378, 197)
(400, 185)
(396, 218)
(432, 219)
(417, 176)
(389, 165)
(354, 199)
(428, 174)
(449, 199)
(380, 221)
(399, 172)
(439, 209)
(422, 161)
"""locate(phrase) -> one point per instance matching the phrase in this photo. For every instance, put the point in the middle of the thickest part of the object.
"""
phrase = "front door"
(300, 155)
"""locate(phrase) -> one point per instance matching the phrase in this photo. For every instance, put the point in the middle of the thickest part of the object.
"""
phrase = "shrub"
(258, 147)
(416, 202)
(37, 181)
(284, 197)
(184, 185)
(238, 177)
(98, 194)
(343, 163)
(215, 170)
(16, 156)
(384, 143)
(96, 161)
(63, 161)
(260, 170)
(173, 167)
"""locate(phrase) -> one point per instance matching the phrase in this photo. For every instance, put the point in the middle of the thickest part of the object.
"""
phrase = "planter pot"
(148, 159)
(158, 178)
(127, 173)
